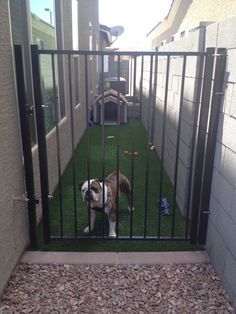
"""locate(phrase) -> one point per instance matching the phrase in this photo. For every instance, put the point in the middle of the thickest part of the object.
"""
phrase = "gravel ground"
(99, 289)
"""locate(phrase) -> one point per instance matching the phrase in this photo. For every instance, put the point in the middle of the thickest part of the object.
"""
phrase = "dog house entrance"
(110, 112)
(111, 100)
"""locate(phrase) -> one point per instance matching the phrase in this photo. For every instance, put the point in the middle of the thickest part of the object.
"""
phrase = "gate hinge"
(36, 200)
(25, 199)
(22, 198)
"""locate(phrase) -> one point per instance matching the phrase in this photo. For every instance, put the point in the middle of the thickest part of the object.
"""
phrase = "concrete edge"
(114, 258)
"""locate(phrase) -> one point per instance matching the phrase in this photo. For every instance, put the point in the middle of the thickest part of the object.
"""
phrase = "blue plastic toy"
(91, 123)
(165, 207)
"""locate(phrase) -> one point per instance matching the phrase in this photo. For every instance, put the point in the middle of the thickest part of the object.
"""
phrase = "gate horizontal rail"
(123, 53)
(123, 238)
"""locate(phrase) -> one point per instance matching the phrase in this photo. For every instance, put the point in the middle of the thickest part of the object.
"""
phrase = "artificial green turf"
(126, 132)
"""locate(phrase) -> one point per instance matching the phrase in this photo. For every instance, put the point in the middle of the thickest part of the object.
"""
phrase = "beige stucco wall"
(65, 123)
(88, 13)
(13, 215)
(13, 218)
(207, 11)
(185, 15)
(166, 28)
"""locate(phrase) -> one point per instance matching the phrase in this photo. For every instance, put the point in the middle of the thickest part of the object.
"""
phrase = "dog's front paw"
(112, 234)
(129, 209)
(86, 230)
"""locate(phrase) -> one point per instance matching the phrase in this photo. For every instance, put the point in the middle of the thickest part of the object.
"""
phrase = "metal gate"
(148, 70)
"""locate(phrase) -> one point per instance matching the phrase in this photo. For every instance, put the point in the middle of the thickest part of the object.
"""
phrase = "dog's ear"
(97, 181)
(81, 184)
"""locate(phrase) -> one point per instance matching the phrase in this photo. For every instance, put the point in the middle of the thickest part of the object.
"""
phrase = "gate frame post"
(26, 145)
(218, 91)
(42, 145)
(200, 145)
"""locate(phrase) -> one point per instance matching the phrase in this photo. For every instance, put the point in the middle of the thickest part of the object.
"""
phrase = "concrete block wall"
(193, 42)
(221, 235)
(221, 245)
(13, 216)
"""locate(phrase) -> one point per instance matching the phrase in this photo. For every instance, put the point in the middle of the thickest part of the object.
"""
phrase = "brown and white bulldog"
(94, 196)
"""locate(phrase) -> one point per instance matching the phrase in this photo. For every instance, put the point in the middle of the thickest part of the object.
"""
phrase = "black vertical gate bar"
(131, 76)
(26, 145)
(148, 148)
(177, 145)
(211, 142)
(133, 146)
(201, 140)
(72, 146)
(154, 98)
(118, 150)
(163, 144)
(42, 146)
(194, 134)
(103, 145)
(141, 89)
(88, 134)
(55, 102)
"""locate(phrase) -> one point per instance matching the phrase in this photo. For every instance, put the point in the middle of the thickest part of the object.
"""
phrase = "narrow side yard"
(127, 134)
(135, 289)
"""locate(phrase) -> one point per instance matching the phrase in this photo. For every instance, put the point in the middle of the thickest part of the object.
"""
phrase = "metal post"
(200, 148)
(88, 133)
(26, 145)
(163, 144)
(154, 98)
(133, 146)
(118, 149)
(148, 148)
(141, 89)
(177, 146)
(42, 148)
(72, 145)
(58, 144)
(211, 142)
(200, 67)
(103, 146)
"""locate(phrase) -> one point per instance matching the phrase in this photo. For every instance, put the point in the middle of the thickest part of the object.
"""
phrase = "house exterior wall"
(87, 12)
(169, 26)
(89, 40)
(189, 16)
(13, 217)
(13, 214)
(217, 10)
(64, 124)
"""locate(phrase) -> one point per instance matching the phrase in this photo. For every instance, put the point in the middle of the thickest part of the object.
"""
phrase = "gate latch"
(206, 212)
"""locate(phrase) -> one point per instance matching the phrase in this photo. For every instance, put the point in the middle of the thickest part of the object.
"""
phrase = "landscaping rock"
(115, 289)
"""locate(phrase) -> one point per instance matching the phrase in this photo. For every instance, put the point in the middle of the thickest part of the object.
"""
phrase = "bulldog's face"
(94, 193)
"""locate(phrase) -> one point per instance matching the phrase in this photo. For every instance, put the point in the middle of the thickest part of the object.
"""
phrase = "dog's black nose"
(87, 195)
